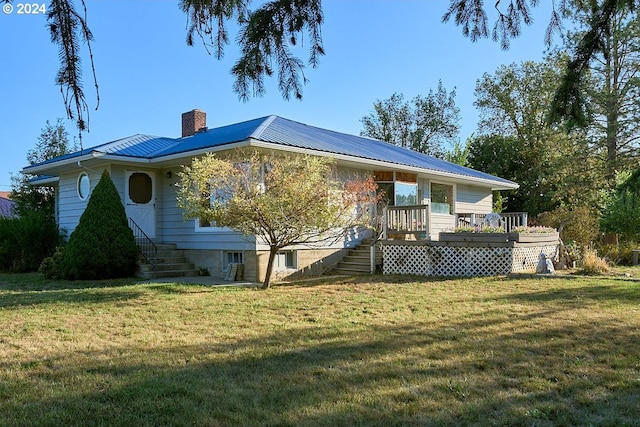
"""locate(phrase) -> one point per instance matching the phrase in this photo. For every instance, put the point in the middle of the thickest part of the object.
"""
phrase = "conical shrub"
(102, 246)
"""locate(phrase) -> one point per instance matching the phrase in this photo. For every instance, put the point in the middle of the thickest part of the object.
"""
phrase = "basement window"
(285, 259)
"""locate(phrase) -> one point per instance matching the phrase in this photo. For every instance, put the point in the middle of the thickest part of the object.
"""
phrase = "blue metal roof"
(214, 137)
(288, 133)
(143, 146)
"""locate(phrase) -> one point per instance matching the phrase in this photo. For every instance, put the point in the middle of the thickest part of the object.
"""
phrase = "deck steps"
(357, 261)
(167, 262)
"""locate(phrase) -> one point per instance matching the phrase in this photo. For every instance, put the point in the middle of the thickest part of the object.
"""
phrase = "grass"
(374, 351)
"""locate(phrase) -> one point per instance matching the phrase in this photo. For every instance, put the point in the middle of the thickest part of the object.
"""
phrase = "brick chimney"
(193, 122)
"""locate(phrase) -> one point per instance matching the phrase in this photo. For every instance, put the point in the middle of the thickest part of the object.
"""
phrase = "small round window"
(84, 186)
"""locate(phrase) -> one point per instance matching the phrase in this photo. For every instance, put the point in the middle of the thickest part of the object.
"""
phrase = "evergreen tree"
(102, 246)
(613, 90)
(53, 141)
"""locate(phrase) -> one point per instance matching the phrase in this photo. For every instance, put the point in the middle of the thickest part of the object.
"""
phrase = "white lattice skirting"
(437, 259)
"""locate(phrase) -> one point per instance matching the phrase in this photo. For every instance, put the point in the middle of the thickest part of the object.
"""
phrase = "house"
(7, 205)
(144, 170)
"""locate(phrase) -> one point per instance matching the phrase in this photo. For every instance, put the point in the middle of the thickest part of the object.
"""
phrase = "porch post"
(372, 258)
(384, 223)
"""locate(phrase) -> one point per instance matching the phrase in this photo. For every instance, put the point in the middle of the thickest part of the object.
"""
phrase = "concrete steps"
(167, 262)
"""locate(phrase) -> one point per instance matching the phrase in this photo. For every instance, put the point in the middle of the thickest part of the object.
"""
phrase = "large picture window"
(406, 194)
(441, 199)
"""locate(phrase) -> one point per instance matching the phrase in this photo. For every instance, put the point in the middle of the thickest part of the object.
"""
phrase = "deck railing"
(509, 221)
(405, 220)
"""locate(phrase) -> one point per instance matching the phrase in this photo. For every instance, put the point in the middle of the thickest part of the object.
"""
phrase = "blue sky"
(148, 76)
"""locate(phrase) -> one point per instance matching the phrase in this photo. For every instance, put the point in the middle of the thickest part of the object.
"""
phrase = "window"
(406, 194)
(386, 189)
(233, 258)
(398, 188)
(285, 259)
(217, 196)
(441, 199)
(84, 186)
(140, 188)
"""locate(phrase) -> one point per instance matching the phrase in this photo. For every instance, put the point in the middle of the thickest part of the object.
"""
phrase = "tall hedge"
(26, 240)
(102, 246)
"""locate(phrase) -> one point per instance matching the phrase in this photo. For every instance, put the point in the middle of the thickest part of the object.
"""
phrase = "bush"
(51, 267)
(592, 263)
(102, 246)
(27, 240)
(621, 254)
(580, 224)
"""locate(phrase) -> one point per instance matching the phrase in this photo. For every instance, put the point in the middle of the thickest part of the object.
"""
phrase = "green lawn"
(375, 351)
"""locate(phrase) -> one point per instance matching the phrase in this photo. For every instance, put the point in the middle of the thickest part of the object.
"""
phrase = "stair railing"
(148, 249)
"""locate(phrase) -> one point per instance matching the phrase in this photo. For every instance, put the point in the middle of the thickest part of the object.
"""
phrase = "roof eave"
(50, 180)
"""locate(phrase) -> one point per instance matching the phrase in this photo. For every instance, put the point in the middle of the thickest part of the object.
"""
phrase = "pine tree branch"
(266, 37)
(67, 27)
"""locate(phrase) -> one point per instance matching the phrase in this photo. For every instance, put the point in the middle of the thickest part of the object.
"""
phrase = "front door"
(140, 200)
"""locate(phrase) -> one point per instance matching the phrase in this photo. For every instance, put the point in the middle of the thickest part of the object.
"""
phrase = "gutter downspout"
(81, 166)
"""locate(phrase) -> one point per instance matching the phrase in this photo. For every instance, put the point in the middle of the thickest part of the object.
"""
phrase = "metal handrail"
(148, 249)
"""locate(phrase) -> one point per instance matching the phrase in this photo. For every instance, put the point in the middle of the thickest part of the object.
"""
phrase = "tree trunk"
(273, 250)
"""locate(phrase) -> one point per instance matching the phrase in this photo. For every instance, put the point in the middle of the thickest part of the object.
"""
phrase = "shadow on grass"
(387, 279)
(33, 289)
(81, 296)
(37, 282)
(599, 289)
(440, 373)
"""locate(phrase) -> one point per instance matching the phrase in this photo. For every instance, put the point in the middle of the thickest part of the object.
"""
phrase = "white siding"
(440, 223)
(471, 199)
(70, 206)
(173, 228)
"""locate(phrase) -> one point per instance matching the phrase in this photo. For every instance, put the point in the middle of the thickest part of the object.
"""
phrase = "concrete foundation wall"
(309, 263)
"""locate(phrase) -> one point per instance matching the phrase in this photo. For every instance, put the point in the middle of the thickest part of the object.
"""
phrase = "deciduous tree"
(424, 124)
(516, 141)
(279, 200)
(622, 210)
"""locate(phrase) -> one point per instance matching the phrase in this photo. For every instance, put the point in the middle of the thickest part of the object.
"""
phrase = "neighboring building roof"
(6, 205)
(279, 132)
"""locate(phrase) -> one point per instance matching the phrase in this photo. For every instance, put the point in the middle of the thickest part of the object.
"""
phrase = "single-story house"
(7, 205)
(144, 170)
